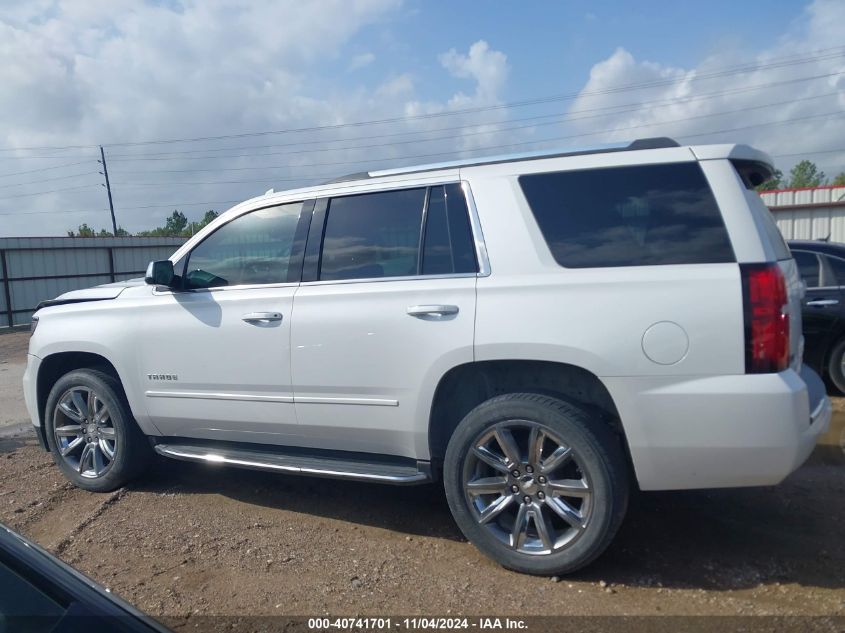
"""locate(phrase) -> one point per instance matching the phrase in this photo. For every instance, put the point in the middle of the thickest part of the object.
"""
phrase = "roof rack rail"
(659, 142)
(639, 144)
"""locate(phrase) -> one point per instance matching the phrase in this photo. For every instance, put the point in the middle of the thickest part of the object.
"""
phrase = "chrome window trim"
(158, 290)
(475, 227)
(329, 282)
(474, 221)
(477, 233)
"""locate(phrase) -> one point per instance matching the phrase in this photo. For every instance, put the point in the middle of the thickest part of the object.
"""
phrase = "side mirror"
(160, 273)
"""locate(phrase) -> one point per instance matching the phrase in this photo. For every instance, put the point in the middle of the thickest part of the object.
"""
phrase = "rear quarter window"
(640, 215)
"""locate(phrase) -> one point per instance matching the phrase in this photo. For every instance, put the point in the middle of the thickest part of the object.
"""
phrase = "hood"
(96, 293)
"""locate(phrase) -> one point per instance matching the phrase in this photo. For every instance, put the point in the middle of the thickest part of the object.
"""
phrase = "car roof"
(819, 246)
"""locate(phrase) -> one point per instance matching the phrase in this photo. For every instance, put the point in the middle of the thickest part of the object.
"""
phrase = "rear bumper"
(720, 431)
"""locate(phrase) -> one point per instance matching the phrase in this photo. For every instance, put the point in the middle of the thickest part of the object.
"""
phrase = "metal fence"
(36, 268)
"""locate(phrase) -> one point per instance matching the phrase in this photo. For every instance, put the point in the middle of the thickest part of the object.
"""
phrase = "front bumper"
(720, 431)
(30, 394)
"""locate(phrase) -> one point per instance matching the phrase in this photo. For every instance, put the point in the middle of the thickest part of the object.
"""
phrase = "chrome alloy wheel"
(84, 433)
(527, 487)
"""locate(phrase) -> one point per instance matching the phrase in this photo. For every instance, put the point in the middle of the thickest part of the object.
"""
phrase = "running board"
(332, 467)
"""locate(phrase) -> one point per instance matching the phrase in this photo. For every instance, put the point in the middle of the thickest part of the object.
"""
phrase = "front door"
(215, 358)
(390, 310)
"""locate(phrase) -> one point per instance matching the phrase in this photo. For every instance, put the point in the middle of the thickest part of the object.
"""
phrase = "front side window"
(637, 215)
(373, 235)
(254, 248)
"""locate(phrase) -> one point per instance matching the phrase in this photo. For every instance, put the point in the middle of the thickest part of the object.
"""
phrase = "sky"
(202, 103)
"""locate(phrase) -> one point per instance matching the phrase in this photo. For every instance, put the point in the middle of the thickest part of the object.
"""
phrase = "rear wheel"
(836, 365)
(91, 433)
(535, 483)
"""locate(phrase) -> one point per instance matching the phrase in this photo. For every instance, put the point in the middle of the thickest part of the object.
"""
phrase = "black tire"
(596, 455)
(834, 365)
(131, 449)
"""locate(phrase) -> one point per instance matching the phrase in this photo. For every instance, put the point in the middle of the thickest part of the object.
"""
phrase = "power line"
(33, 171)
(169, 205)
(457, 136)
(831, 53)
(633, 106)
(711, 132)
(533, 142)
(38, 182)
(44, 193)
(18, 213)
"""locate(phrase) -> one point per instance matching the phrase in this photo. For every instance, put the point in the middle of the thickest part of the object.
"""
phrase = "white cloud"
(359, 61)
(82, 72)
(677, 109)
(489, 68)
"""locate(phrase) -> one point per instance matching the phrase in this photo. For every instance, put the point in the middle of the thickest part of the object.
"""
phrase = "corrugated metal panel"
(136, 259)
(44, 263)
(44, 267)
(812, 224)
(822, 215)
(87, 242)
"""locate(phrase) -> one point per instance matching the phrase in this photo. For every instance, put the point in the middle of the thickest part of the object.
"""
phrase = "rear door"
(821, 305)
(381, 315)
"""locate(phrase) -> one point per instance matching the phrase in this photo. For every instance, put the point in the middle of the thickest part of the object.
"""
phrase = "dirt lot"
(188, 540)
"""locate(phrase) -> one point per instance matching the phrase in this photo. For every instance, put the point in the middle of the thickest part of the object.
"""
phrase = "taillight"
(766, 320)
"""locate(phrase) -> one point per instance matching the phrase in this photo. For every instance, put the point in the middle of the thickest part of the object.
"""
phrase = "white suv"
(541, 332)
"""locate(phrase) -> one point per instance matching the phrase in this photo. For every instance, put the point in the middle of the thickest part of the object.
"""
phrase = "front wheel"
(91, 433)
(535, 483)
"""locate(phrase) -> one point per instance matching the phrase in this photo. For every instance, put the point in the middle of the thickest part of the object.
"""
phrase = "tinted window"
(837, 266)
(448, 245)
(629, 216)
(808, 267)
(252, 249)
(373, 235)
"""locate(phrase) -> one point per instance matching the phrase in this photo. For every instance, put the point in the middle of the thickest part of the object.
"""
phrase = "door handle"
(822, 303)
(432, 311)
(261, 317)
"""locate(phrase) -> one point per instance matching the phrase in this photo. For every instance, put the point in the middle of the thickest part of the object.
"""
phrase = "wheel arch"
(56, 365)
(465, 386)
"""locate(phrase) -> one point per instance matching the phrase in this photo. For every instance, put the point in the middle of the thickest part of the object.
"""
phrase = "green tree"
(86, 231)
(211, 215)
(775, 182)
(806, 174)
(839, 180)
(83, 231)
(176, 224)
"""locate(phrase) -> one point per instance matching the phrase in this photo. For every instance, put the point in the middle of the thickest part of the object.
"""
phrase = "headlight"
(33, 324)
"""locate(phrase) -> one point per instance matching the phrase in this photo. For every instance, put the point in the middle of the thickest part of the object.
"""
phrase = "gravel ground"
(189, 540)
(12, 364)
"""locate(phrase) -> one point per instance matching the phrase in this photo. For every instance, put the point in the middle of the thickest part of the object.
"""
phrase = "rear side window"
(837, 266)
(448, 247)
(808, 267)
(402, 233)
(373, 235)
(640, 215)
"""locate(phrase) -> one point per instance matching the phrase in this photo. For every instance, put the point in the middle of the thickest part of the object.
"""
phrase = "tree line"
(176, 225)
(804, 174)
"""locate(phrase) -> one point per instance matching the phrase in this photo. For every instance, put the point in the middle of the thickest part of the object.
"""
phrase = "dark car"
(38, 592)
(822, 266)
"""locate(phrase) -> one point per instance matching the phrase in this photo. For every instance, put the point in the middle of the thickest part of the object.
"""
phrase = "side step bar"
(332, 467)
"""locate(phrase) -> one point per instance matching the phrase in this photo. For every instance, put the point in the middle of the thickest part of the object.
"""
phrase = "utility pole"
(105, 173)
